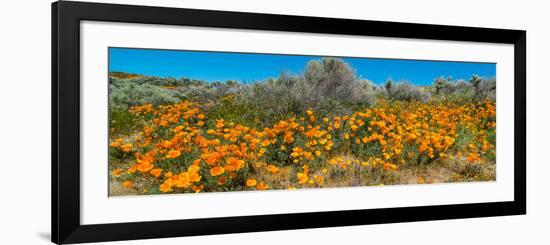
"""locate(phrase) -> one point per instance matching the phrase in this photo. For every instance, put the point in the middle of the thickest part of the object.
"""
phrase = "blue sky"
(244, 67)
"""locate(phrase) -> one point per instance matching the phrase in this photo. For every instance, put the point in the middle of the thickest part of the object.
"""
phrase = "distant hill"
(123, 75)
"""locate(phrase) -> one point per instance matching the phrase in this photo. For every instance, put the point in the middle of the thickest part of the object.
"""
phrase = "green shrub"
(122, 122)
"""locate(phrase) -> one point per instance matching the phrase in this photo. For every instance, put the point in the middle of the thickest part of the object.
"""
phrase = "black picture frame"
(66, 18)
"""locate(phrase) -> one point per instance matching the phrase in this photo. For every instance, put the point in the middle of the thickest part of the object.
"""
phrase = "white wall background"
(25, 121)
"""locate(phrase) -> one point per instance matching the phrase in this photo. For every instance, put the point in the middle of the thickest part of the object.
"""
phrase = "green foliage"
(122, 122)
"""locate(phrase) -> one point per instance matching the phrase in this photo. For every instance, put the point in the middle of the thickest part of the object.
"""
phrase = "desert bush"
(329, 78)
(475, 89)
(134, 94)
(404, 91)
(483, 88)
(328, 85)
(364, 92)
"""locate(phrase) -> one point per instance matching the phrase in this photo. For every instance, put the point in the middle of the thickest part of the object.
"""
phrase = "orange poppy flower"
(222, 180)
(145, 167)
(215, 171)
(197, 188)
(423, 147)
(319, 179)
(165, 187)
(193, 169)
(132, 169)
(183, 180)
(126, 147)
(156, 172)
(116, 143)
(173, 154)
(272, 169)
(235, 163)
(194, 177)
(128, 184)
(262, 186)
(166, 144)
(473, 157)
(250, 182)
(178, 128)
(116, 172)
(302, 178)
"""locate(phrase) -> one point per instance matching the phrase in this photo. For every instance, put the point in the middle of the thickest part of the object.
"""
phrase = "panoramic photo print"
(202, 121)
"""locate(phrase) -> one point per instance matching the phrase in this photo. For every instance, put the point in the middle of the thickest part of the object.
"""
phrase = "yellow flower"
(193, 169)
(302, 178)
(389, 166)
(183, 180)
(319, 179)
(250, 182)
(329, 145)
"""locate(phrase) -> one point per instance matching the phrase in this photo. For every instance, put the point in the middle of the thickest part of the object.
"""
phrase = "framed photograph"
(177, 122)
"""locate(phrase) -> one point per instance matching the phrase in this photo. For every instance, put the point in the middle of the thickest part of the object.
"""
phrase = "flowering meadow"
(221, 143)
(181, 149)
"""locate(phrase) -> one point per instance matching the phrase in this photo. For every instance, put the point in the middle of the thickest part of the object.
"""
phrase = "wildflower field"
(325, 128)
